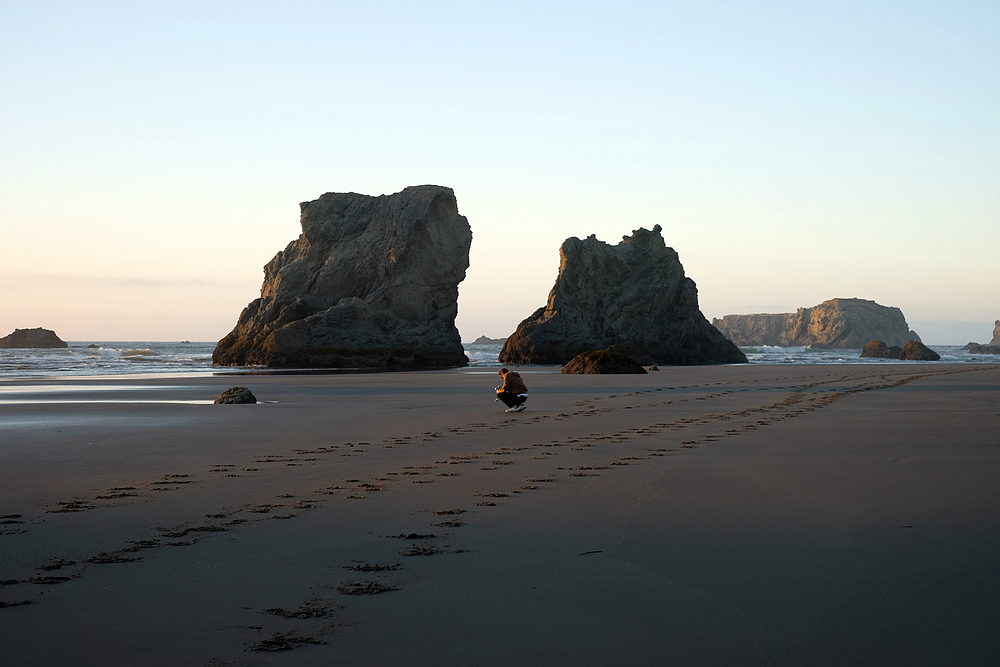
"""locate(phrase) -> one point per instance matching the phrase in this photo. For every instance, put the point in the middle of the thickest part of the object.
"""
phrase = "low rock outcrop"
(634, 293)
(372, 282)
(598, 362)
(236, 396)
(912, 351)
(917, 351)
(988, 348)
(876, 349)
(833, 324)
(32, 338)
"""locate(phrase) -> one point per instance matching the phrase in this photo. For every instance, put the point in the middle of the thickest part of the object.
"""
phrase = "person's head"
(502, 372)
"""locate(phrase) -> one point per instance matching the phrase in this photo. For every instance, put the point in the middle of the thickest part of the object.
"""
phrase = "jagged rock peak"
(836, 324)
(372, 282)
(996, 334)
(32, 338)
(634, 293)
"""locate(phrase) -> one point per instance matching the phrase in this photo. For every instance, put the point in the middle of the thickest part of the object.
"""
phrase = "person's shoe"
(511, 410)
(521, 407)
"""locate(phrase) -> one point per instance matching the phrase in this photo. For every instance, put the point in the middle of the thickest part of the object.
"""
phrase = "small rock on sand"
(236, 395)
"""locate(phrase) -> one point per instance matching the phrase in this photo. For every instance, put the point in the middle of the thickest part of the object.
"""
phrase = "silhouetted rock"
(835, 324)
(914, 351)
(236, 395)
(372, 282)
(970, 345)
(485, 340)
(602, 362)
(878, 350)
(984, 349)
(32, 338)
(634, 293)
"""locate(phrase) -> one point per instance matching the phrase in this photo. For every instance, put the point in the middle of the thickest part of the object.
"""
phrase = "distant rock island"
(32, 338)
(834, 324)
(485, 340)
(372, 282)
(634, 293)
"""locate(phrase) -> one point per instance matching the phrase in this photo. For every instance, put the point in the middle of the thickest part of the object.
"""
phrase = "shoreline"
(151, 358)
(264, 371)
(741, 514)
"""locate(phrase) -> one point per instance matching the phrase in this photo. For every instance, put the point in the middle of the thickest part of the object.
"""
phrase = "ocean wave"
(106, 358)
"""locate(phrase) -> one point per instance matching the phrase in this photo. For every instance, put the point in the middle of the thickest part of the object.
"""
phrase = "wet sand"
(742, 515)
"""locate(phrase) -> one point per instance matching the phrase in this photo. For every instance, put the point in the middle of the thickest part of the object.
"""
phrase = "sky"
(153, 155)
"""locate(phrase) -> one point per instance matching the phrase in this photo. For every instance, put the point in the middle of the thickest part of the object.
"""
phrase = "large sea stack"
(32, 338)
(634, 293)
(834, 324)
(372, 282)
(996, 334)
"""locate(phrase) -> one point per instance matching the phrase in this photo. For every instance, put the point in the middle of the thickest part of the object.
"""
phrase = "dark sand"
(752, 515)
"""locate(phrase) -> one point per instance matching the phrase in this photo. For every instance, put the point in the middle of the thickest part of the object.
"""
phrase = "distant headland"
(833, 324)
(486, 340)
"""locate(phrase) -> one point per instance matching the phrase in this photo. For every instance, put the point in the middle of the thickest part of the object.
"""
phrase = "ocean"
(99, 358)
(486, 355)
(112, 358)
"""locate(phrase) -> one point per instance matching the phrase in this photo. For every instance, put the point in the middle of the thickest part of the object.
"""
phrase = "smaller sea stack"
(634, 293)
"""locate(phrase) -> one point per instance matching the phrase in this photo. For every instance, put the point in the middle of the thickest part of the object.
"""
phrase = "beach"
(723, 515)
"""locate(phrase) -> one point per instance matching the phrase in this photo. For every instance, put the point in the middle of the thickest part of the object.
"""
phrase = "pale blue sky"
(152, 158)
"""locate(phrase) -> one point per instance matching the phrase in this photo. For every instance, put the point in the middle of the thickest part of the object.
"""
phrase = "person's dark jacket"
(513, 383)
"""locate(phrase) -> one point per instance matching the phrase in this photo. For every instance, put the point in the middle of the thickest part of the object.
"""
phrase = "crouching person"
(512, 392)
